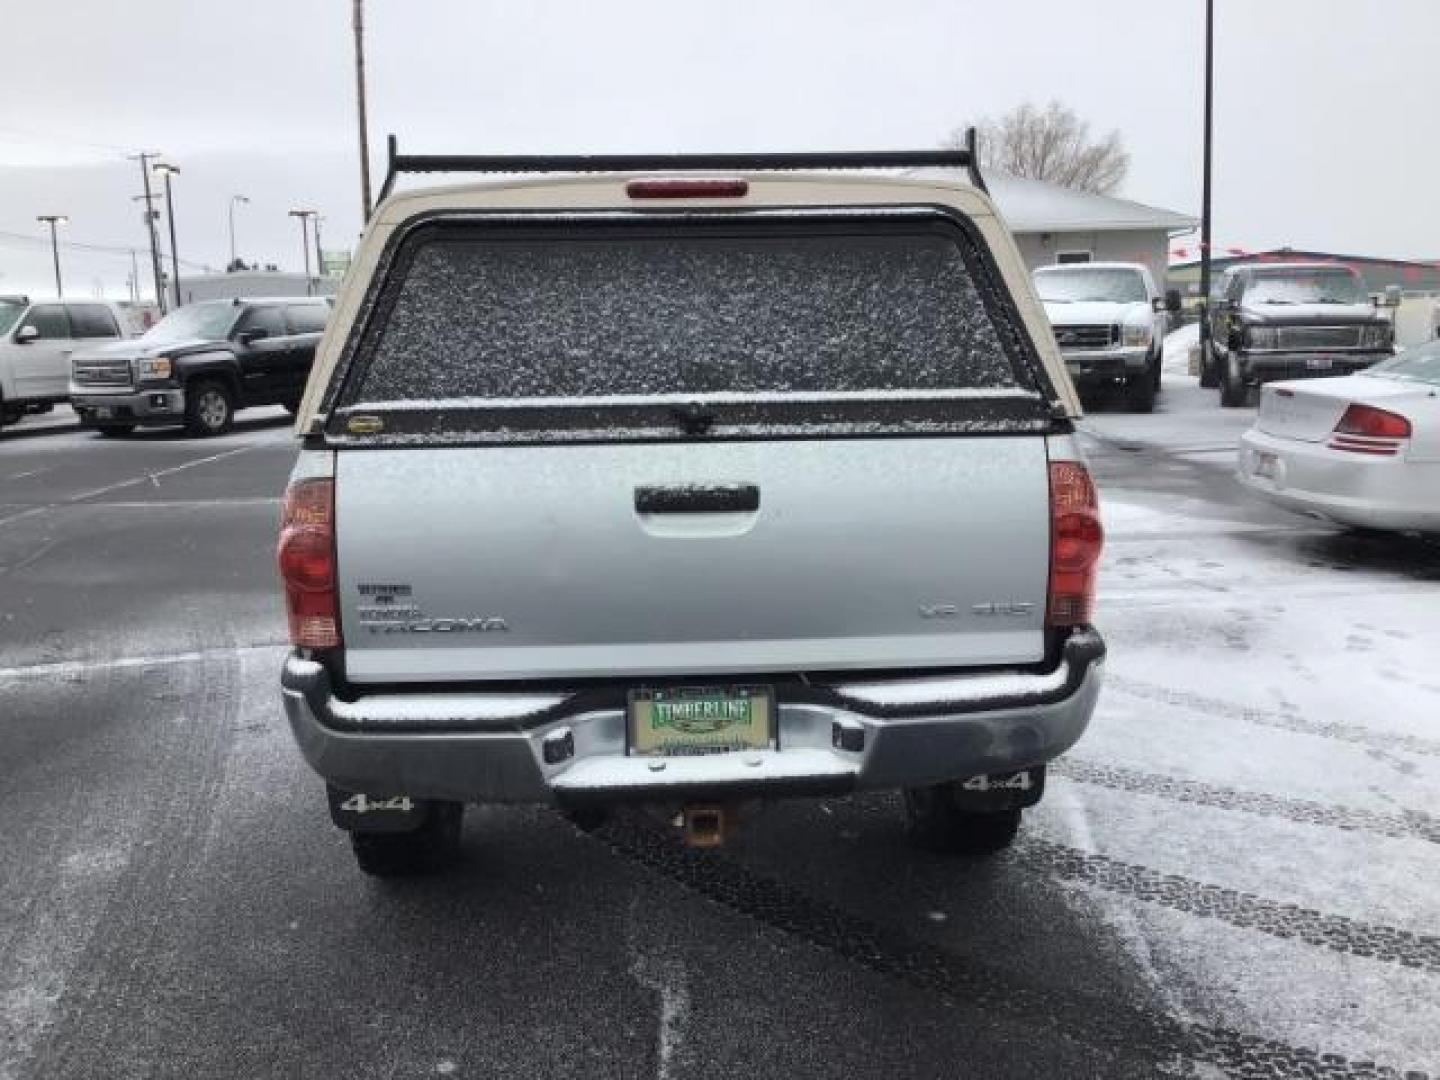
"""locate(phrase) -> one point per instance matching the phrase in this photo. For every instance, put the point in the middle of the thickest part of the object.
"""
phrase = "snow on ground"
(1270, 728)
(1178, 343)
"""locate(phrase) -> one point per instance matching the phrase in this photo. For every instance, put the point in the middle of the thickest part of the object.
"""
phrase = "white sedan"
(1362, 450)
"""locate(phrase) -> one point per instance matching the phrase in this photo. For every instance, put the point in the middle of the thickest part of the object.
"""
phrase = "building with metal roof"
(1378, 273)
(1054, 224)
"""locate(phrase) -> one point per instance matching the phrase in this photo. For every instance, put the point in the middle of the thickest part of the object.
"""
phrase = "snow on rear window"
(584, 318)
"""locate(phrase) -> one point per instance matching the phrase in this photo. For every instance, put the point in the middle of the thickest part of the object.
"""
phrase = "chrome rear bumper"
(545, 747)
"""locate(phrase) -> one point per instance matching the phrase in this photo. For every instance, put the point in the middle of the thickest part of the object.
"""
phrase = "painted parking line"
(150, 477)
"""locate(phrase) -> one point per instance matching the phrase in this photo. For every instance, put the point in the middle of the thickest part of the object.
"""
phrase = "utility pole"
(145, 157)
(358, 23)
(134, 278)
(234, 199)
(169, 171)
(53, 220)
(1205, 189)
(305, 216)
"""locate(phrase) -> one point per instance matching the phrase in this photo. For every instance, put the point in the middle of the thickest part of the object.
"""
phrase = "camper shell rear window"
(646, 327)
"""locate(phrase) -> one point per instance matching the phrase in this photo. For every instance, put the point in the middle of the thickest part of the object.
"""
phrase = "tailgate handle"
(698, 499)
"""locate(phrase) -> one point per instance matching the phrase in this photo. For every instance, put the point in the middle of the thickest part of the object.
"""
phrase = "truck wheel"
(1210, 371)
(114, 431)
(1140, 393)
(936, 823)
(1233, 392)
(432, 847)
(209, 408)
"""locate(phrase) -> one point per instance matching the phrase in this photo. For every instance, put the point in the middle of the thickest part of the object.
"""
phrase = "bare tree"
(1050, 144)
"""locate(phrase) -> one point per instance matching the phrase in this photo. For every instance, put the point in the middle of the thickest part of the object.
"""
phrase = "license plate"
(103, 411)
(1319, 363)
(1266, 465)
(701, 720)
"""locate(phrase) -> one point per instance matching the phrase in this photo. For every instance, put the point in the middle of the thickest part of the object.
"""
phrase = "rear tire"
(433, 847)
(114, 431)
(1210, 371)
(1140, 392)
(936, 823)
(1234, 394)
(209, 408)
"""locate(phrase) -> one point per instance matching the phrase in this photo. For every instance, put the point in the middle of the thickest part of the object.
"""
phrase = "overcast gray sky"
(1326, 110)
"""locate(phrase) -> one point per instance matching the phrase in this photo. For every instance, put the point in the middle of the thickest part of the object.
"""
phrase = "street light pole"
(319, 251)
(305, 216)
(1205, 189)
(168, 171)
(145, 157)
(233, 200)
(53, 220)
(357, 20)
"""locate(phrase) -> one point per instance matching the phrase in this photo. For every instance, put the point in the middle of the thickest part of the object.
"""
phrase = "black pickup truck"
(200, 364)
(1291, 321)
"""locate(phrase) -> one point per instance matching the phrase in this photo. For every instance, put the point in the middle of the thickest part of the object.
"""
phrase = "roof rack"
(966, 157)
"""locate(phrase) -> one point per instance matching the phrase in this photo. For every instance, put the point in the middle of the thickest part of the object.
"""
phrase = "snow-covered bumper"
(1104, 365)
(556, 747)
(161, 405)
(1370, 491)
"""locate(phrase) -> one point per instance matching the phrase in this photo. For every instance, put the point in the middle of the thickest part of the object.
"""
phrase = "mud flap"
(1000, 791)
(358, 812)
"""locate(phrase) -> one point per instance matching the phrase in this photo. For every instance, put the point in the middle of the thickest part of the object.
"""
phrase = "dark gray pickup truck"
(1291, 321)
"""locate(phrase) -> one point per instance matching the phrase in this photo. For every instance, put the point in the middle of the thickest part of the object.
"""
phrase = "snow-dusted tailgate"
(680, 447)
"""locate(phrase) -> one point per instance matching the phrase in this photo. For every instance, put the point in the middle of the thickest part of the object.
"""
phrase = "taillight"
(306, 554)
(1076, 539)
(687, 188)
(1365, 429)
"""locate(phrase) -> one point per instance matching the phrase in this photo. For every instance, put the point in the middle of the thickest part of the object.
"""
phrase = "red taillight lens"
(692, 188)
(1076, 540)
(306, 555)
(1375, 423)
(1365, 429)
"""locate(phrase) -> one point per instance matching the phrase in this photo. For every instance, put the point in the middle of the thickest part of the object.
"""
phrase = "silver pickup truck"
(687, 482)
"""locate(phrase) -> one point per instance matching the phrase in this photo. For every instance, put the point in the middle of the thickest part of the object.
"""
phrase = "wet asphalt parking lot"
(1236, 872)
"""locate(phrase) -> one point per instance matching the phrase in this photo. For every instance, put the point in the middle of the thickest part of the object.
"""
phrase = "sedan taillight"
(1365, 429)
(1076, 540)
(306, 554)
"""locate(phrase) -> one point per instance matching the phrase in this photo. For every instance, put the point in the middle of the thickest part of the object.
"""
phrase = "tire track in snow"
(120, 962)
(1338, 933)
(1273, 718)
(1407, 826)
(1102, 1024)
(80, 670)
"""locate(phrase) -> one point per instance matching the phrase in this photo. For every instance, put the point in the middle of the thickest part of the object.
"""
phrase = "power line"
(99, 249)
(14, 134)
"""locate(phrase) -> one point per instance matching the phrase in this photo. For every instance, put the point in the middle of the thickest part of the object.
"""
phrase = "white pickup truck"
(37, 339)
(1110, 321)
(687, 482)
